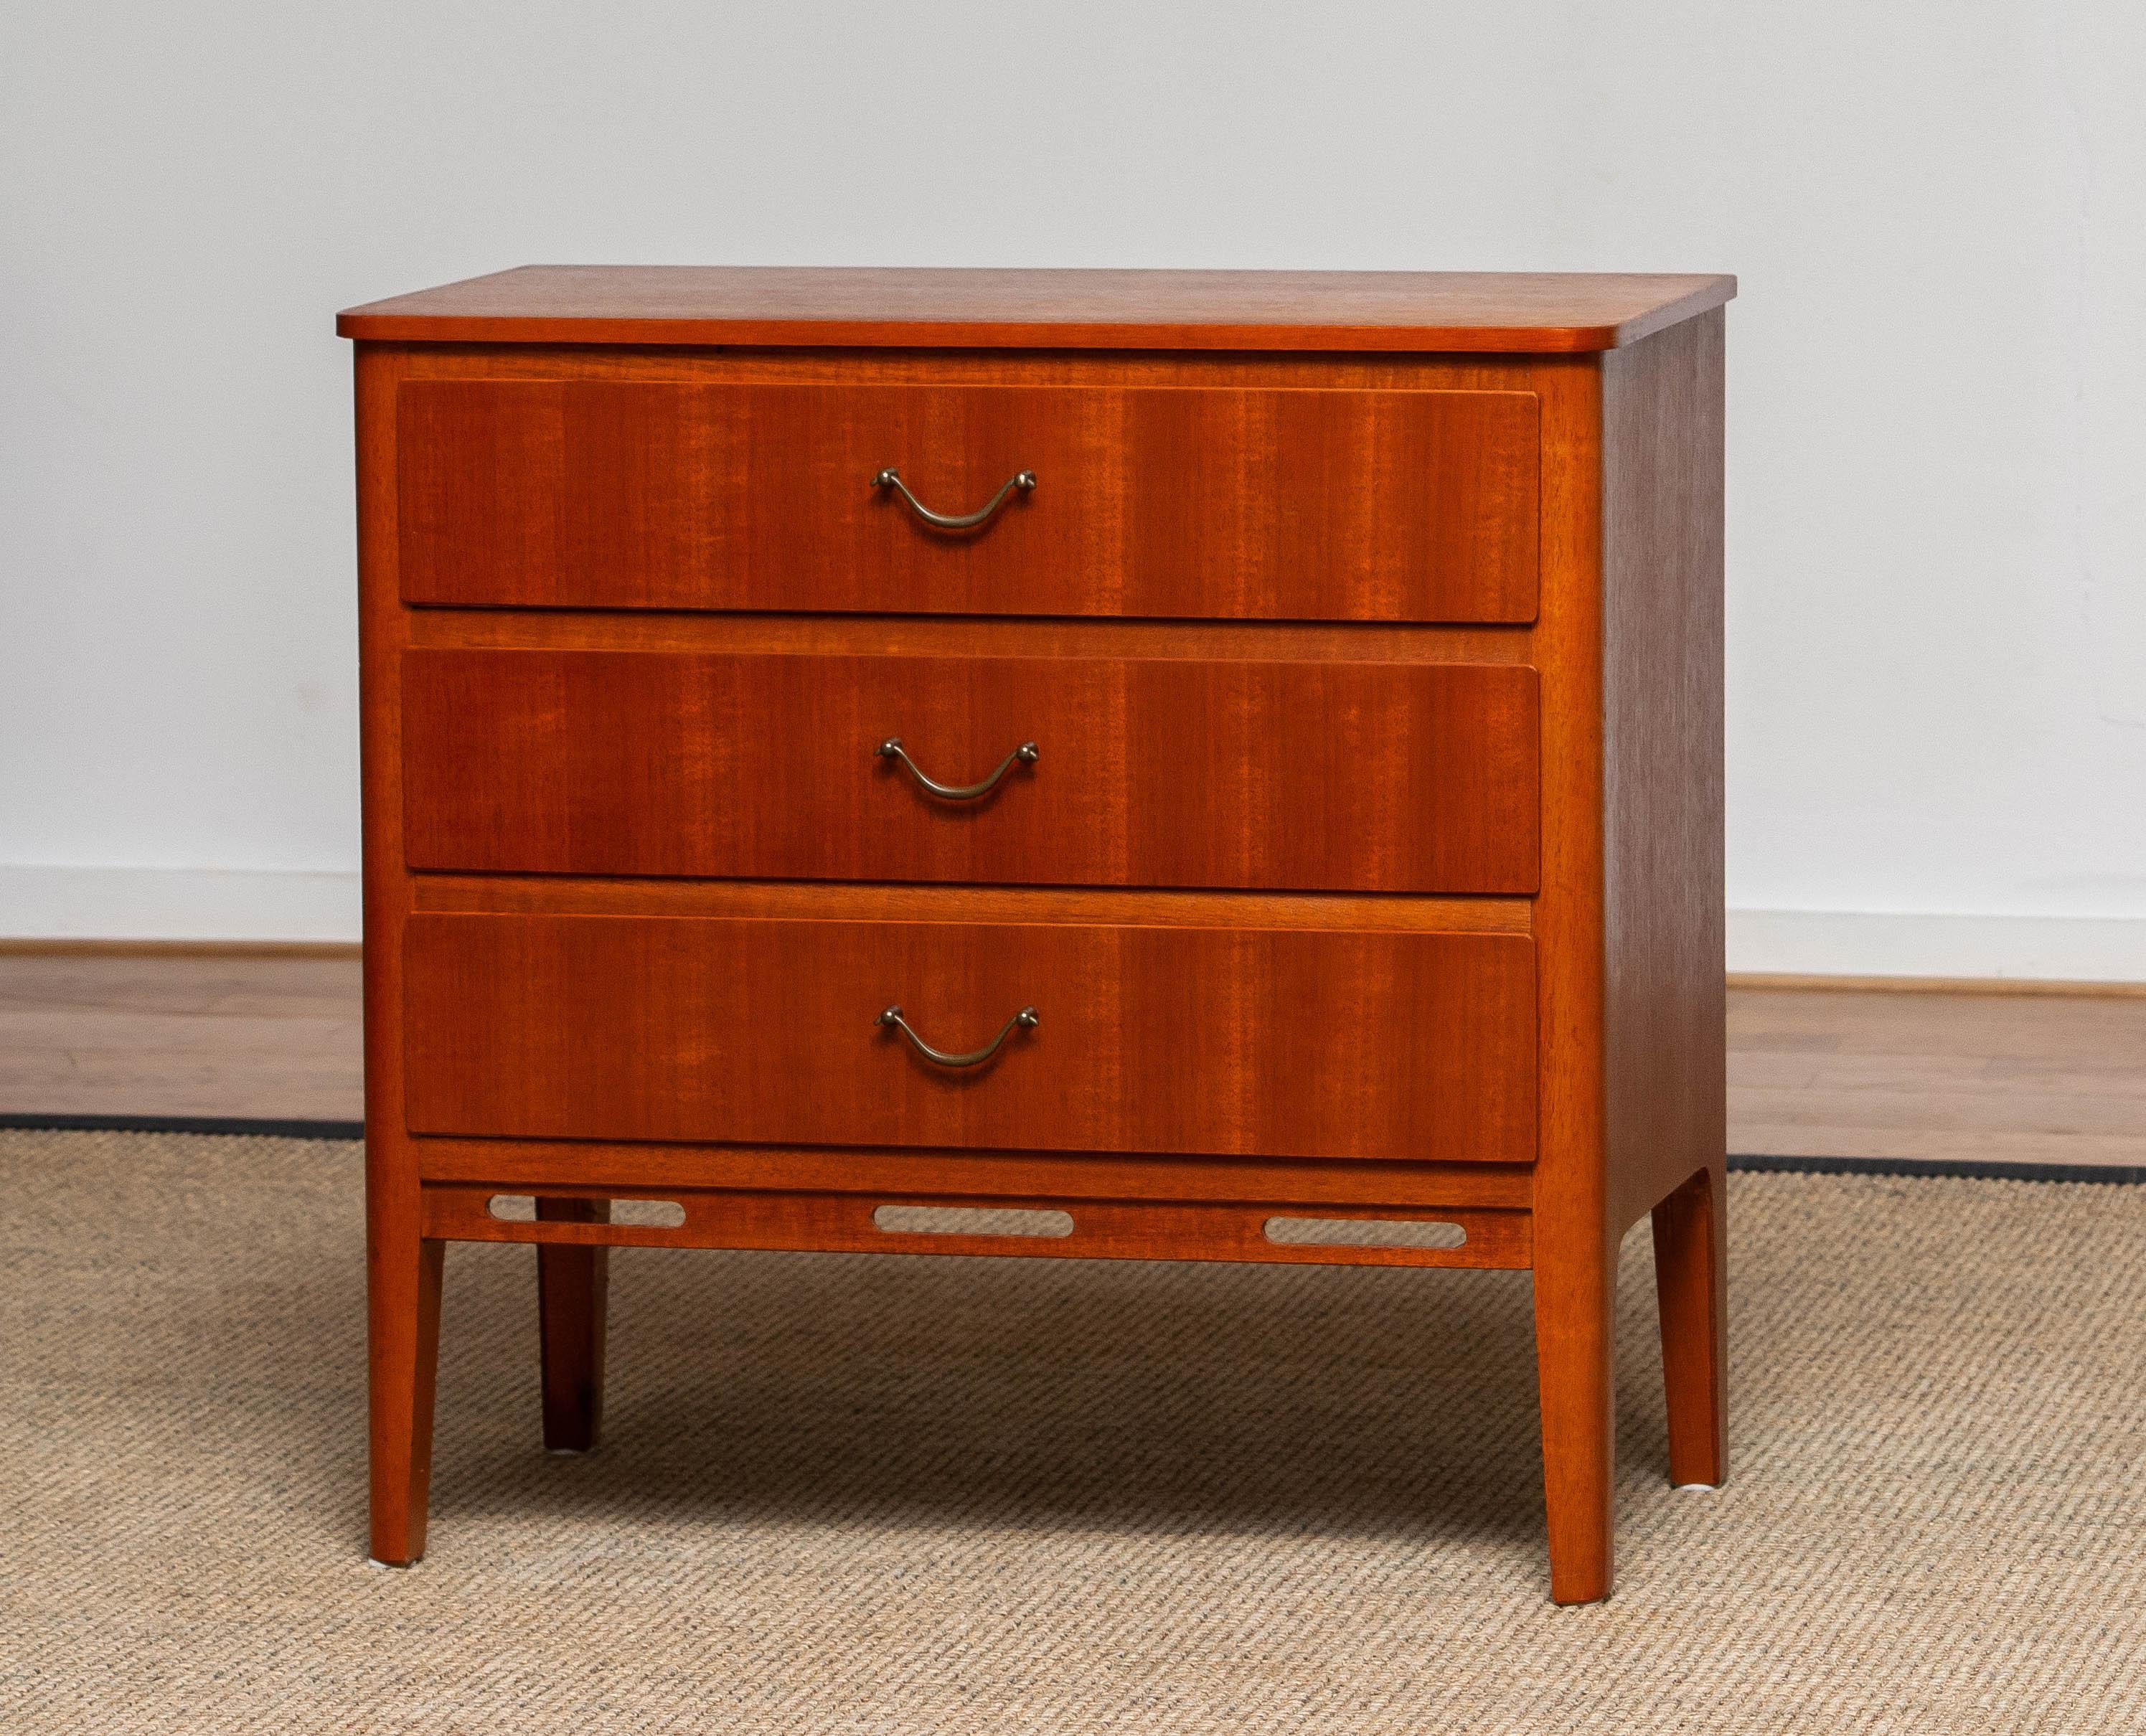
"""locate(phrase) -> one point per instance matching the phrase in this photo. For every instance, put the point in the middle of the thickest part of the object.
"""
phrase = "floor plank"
(2033, 1078)
(1812, 1072)
(273, 1036)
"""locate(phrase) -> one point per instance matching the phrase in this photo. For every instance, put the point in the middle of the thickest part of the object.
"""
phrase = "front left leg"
(403, 1302)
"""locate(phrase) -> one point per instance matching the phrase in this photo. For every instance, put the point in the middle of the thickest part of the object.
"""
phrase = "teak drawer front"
(1298, 503)
(1297, 1043)
(1373, 777)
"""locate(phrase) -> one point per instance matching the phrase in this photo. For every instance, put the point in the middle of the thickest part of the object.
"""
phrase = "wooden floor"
(1812, 1072)
(274, 1035)
(2037, 1078)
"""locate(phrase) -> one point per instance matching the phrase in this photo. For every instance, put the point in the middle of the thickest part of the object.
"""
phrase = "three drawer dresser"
(1175, 765)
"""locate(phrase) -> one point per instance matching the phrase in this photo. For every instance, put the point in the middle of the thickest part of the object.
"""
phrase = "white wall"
(1937, 418)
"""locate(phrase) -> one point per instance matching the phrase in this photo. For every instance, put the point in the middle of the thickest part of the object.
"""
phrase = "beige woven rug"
(849, 1493)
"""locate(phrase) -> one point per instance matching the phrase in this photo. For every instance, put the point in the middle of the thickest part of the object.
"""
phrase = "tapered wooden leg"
(572, 1286)
(1575, 1347)
(403, 1306)
(1691, 1276)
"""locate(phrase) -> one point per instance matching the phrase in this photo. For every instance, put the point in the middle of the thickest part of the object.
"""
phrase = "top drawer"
(1169, 501)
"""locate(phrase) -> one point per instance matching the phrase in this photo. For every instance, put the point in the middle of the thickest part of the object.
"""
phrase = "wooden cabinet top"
(1107, 310)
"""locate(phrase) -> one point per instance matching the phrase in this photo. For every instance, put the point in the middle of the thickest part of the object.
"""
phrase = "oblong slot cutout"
(512, 1208)
(649, 1214)
(1365, 1233)
(972, 1220)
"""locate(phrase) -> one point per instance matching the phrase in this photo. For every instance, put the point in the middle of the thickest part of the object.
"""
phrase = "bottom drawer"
(1278, 1042)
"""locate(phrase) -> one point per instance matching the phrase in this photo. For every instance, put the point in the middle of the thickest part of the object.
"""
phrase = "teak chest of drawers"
(1186, 753)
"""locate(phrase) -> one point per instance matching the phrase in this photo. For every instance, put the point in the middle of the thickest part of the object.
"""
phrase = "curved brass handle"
(1025, 1019)
(891, 478)
(891, 749)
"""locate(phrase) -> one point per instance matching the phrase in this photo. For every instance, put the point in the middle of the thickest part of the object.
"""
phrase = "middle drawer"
(1260, 775)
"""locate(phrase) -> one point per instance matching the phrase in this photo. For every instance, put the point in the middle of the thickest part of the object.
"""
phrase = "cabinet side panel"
(1665, 1008)
(381, 634)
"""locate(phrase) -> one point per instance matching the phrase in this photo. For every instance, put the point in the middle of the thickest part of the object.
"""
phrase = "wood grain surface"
(1664, 873)
(949, 636)
(1371, 777)
(573, 1286)
(1110, 310)
(1232, 1041)
(1105, 1229)
(538, 1166)
(1333, 504)
(403, 1265)
(196, 1033)
(1982, 1071)
(1575, 1267)
(802, 901)
(615, 948)
(1664, 870)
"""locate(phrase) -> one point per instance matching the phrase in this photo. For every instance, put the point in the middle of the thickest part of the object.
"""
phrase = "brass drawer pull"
(891, 749)
(891, 478)
(1025, 1019)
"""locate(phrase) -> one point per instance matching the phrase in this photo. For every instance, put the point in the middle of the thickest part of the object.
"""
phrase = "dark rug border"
(1968, 1168)
(256, 1126)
